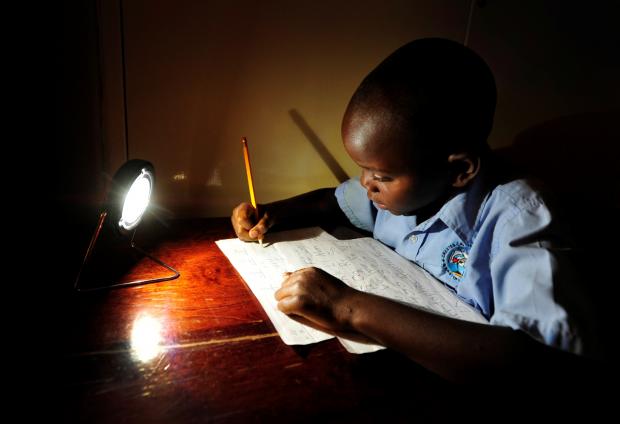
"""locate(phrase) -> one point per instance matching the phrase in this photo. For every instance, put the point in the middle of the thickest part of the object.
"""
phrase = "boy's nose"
(368, 183)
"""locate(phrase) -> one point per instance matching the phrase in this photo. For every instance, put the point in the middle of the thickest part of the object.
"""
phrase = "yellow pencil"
(248, 171)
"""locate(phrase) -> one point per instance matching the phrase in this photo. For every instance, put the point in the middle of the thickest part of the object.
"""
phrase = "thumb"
(261, 227)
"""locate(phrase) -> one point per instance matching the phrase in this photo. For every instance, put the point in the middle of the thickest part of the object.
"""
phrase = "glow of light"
(146, 338)
(136, 201)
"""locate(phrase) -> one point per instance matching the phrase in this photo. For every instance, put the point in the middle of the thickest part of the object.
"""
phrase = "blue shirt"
(493, 247)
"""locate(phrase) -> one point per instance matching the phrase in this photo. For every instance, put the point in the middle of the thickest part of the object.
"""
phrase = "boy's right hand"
(244, 222)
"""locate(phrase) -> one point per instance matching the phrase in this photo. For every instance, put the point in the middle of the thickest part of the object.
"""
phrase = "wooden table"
(201, 349)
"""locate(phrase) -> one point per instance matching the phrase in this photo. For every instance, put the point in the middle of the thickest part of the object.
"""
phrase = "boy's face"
(389, 172)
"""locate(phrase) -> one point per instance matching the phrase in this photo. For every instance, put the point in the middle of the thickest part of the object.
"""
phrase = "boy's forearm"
(312, 208)
(454, 349)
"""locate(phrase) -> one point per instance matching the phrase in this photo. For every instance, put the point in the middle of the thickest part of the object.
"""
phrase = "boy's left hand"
(318, 299)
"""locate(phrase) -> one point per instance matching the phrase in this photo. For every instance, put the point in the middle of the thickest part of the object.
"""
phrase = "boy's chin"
(404, 212)
(386, 208)
(394, 211)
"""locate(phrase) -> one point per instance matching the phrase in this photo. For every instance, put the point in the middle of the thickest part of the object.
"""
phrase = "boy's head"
(418, 123)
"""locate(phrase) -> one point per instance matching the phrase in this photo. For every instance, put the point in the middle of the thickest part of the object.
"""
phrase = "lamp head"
(130, 194)
(126, 202)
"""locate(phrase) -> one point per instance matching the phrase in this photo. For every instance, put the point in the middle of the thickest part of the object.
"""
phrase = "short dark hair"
(442, 91)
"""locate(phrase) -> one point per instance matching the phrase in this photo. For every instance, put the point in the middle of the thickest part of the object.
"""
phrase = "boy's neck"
(486, 174)
(431, 209)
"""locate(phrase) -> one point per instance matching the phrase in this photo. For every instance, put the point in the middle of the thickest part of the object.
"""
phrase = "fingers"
(242, 220)
(244, 223)
(261, 228)
(290, 304)
(317, 297)
(292, 281)
(301, 305)
(295, 294)
(286, 289)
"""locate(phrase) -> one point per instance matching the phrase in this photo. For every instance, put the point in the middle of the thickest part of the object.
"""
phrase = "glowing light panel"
(136, 201)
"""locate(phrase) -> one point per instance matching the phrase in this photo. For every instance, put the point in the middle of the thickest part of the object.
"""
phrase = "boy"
(417, 127)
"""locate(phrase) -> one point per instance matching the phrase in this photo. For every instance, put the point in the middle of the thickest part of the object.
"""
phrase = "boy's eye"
(381, 178)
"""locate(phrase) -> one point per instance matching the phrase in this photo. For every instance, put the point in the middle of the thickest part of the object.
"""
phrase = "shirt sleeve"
(354, 202)
(532, 282)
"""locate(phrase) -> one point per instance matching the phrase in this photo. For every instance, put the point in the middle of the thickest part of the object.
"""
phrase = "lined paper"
(362, 263)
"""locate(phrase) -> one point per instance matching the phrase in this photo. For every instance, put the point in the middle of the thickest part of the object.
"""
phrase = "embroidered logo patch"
(454, 259)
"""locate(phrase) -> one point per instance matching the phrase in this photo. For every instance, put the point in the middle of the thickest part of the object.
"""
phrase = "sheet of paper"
(368, 265)
(262, 268)
(362, 263)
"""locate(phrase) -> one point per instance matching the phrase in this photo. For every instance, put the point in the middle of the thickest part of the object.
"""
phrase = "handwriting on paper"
(363, 263)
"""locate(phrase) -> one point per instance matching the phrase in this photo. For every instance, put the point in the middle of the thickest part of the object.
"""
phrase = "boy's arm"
(307, 209)
(454, 349)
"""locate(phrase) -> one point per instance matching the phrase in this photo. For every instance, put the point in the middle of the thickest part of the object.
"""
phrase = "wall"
(551, 59)
(557, 65)
(202, 74)
(191, 77)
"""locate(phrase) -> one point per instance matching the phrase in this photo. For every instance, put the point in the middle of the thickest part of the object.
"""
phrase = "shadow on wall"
(319, 146)
(576, 157)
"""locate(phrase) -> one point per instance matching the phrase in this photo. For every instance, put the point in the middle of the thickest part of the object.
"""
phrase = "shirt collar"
(460, 212)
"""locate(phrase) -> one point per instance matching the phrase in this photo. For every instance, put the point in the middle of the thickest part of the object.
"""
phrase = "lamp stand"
(90, 249)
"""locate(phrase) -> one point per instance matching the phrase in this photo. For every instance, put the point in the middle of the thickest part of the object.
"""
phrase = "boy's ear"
(464, 168)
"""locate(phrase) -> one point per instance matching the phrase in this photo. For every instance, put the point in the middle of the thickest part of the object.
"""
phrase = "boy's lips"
(379, 204)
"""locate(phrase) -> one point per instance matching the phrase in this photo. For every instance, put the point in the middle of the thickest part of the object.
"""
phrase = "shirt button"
(413, 238)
